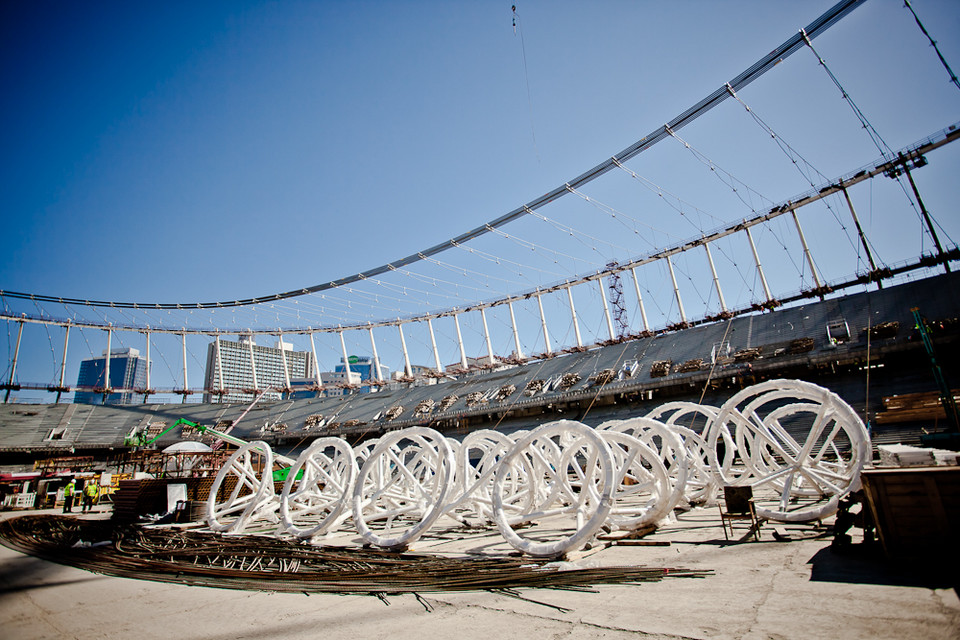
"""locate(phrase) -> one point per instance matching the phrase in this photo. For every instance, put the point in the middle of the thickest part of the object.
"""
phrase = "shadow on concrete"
(767, 537)
(27, 573)
(868, 565)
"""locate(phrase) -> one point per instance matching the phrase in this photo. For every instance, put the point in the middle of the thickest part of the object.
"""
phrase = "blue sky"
(180, 151)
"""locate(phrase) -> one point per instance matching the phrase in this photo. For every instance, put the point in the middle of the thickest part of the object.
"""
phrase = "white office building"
(237, 370)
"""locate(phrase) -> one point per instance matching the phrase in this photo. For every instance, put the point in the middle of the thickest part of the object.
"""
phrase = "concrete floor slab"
(787, 590)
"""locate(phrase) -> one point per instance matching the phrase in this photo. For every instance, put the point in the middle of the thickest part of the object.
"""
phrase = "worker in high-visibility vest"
(90, 492)
(68, 492)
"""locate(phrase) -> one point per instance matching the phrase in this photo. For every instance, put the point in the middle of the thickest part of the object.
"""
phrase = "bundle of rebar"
(271, 564)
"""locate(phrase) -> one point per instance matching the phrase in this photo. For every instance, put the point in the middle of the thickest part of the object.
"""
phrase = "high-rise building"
(364, 366)
(128, 371)
(240, 367)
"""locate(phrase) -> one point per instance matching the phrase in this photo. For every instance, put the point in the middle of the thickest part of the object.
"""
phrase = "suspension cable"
(933, 43)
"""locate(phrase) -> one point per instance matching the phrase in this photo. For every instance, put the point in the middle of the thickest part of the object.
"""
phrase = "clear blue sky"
(199, 151)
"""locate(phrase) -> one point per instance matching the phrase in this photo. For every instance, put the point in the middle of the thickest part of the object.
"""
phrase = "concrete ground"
(797, 588)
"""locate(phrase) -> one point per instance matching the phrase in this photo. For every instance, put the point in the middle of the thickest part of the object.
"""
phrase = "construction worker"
(68, 492)
(90, 492)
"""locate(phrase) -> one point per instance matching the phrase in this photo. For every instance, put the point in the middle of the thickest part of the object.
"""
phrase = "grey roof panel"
(30, 426)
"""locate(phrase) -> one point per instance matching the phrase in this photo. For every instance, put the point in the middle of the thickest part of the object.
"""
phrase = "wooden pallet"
(911, 407)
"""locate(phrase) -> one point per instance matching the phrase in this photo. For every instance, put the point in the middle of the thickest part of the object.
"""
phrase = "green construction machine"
(949, 439)
(138, 438)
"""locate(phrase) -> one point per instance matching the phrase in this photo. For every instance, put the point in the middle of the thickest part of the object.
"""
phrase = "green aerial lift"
(139, 439)
(945, 439)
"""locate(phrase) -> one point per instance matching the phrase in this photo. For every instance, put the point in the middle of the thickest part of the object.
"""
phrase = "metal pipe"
(183, 342)
(676, 291)
(926, 216)
(63, 364)
(253, 366)
(463, 352)
(860, 234)
(806, 249)
(486, 335)
(643, 311)
(543, 324)
(346, 358)
(606, 309)
(219, 372)
(146, 392)
(13, 366)
(756, 259)
(716, 280)
(516, 334)
(433, 342)
(407, 369)
(286, 368)
(573, 315)
(106, 367)
(376, 358)
(316, 362)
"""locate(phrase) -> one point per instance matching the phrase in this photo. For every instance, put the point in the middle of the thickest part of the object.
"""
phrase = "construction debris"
(901, 455)
(533, 387)
(568, 379)
(660, 368)
(911, 407)
(448, 401)
(278, 428)
(800, 345)
(883, 330)
(505, 392)
(268, 564)
(474, 398)
(746, 355)
(690, 365)
(154, 429)
(603, 377)
(424, 407)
